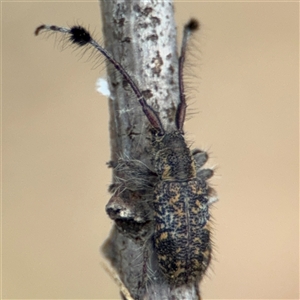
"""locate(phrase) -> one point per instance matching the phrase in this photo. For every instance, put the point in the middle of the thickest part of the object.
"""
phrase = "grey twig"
(141, 35)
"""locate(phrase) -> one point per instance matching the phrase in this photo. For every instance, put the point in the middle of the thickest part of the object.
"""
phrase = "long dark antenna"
(190, 27)
(81, 37)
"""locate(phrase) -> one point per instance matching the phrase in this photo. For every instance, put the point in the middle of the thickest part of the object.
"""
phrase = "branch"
(141, 35)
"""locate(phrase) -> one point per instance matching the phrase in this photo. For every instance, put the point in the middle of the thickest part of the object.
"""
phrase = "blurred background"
(55, 146)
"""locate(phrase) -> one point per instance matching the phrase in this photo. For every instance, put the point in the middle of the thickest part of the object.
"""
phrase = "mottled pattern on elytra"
(182, 230)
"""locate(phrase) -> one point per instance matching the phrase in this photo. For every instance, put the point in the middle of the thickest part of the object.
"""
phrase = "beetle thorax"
(173, 160)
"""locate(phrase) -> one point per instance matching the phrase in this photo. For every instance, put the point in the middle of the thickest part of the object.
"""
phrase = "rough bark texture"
(141, 35)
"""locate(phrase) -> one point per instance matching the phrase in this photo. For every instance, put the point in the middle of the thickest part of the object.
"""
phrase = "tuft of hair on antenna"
(77, 34)
(80, 36)
(192, 25)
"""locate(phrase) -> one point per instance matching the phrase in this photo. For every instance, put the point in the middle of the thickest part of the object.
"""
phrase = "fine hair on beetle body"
(177, 214)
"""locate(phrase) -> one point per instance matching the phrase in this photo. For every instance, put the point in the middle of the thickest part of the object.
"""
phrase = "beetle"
(181, 194)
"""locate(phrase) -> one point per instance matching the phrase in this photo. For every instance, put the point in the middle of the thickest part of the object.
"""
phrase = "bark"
(141, 35)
